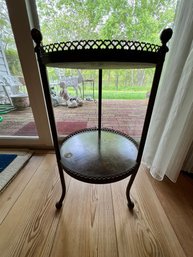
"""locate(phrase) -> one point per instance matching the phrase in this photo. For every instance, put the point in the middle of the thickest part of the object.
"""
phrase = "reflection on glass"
(16, 118)
(125, 93)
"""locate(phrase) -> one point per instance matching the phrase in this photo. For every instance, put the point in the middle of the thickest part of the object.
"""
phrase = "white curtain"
(188, 163)
(171, 129)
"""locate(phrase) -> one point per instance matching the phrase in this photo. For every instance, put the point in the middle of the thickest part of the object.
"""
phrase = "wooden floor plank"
(27, 225)
(86, 227)
(48, 244)
(177, 199)
(94, 220)
(10, 195)
(147, 231)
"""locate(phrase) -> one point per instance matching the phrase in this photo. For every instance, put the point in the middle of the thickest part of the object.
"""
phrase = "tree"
(6, 35)
(67, 20)
(7, 41)
(140, 20)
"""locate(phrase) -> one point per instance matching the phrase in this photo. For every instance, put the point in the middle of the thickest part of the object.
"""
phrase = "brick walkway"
(124, 115)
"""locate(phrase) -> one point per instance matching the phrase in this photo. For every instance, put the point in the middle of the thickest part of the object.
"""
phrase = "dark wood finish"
(99, 155)
(108, 158)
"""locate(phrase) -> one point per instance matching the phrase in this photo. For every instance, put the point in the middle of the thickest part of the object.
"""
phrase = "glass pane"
(125, 92)
(74, 94)
(16, 118)
(66, 20)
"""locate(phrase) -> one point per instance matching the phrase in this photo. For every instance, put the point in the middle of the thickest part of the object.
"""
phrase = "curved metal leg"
(59, 203)
(129, 201)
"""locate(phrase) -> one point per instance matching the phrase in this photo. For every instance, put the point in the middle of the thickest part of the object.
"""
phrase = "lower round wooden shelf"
(99, 157)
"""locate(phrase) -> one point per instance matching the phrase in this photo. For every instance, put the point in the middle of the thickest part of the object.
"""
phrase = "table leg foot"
(59, 203)
(130, 203)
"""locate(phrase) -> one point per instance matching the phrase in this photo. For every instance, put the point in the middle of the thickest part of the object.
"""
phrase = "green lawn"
(107, 94)
(129, 93)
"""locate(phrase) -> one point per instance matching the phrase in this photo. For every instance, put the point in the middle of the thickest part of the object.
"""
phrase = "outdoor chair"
(85, 83)
(10, 86)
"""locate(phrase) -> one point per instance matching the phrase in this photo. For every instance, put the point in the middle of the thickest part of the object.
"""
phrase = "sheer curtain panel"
(171, 130)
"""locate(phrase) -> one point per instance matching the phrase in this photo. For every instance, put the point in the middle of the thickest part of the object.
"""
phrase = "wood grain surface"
(94, 220)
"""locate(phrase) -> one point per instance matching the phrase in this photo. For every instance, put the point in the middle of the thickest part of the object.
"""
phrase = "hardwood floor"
(94, 220)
